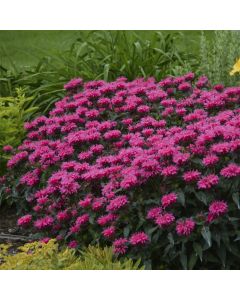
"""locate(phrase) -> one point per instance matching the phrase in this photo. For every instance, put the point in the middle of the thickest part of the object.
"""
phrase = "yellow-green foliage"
(39, 256)
(14, 111)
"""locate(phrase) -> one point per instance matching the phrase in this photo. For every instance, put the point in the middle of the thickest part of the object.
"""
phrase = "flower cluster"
(119, 161)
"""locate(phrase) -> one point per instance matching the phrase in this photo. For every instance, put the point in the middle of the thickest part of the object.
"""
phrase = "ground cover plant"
(151, 168)
(48, 255)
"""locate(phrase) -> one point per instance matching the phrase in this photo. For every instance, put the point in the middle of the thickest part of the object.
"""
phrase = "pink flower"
(185, 86)
(169, 171)
(73, 84)
(45, 240)
(119, 246)
(103, 220)
(153, 213)
(208, 181)
(25, 220)
(63, 216)
(185, 227)
(85, 203)
(232, 170)
(143, 109)
(44, 222)
(210, 160)
(73, 244)
(117, 203)
(82, 220)
(165, 219)
(139, 238)
(218, 208)
(7, 148)
(168, 199)
(112, 134)
(191, 176)
(109, 232)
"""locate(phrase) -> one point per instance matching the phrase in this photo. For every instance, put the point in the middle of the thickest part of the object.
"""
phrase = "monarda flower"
(153, 213)
(232, 170)
(25, 220)
(208, 181)
(44, 222)
(117, 203)
(165, 220)
(218, 208)
(139, 239)
(74, 83)
(109, 232)
(7, 148)
(63, 216)
(185, 227)
(191, 176)
(45, 240)
(169, 171)
(104, 220)
(210, 160)
(82, 220)
(168, 199)
(73, 244)
(120, 246)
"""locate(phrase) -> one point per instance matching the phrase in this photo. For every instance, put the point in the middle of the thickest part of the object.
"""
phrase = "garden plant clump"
(150, 168)
(49, 256)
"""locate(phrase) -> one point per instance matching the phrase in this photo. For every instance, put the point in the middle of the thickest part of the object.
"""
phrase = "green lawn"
(24, 48)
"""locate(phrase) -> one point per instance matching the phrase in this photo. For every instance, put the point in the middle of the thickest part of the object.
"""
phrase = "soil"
(8, 221)
(9, 228)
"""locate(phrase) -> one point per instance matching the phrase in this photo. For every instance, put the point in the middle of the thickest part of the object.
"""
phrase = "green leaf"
(181, 198)
(198, 249)
(202, 197)
(106, 71)
(151, 230)
(235, 197)
(222, 254)
(171, 239)
(192, 261)
(207, 235)
(183, 260)
(126, 231)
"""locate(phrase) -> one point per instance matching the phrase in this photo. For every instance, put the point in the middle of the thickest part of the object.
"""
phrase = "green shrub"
(218, 55)
(41, 256)
(13, 114)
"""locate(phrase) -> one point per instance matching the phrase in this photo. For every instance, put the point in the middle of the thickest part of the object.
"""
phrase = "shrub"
(151, 168)
(48, 256)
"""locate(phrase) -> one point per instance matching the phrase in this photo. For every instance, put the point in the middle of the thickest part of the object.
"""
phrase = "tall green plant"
(99, 55)
(218, 56)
